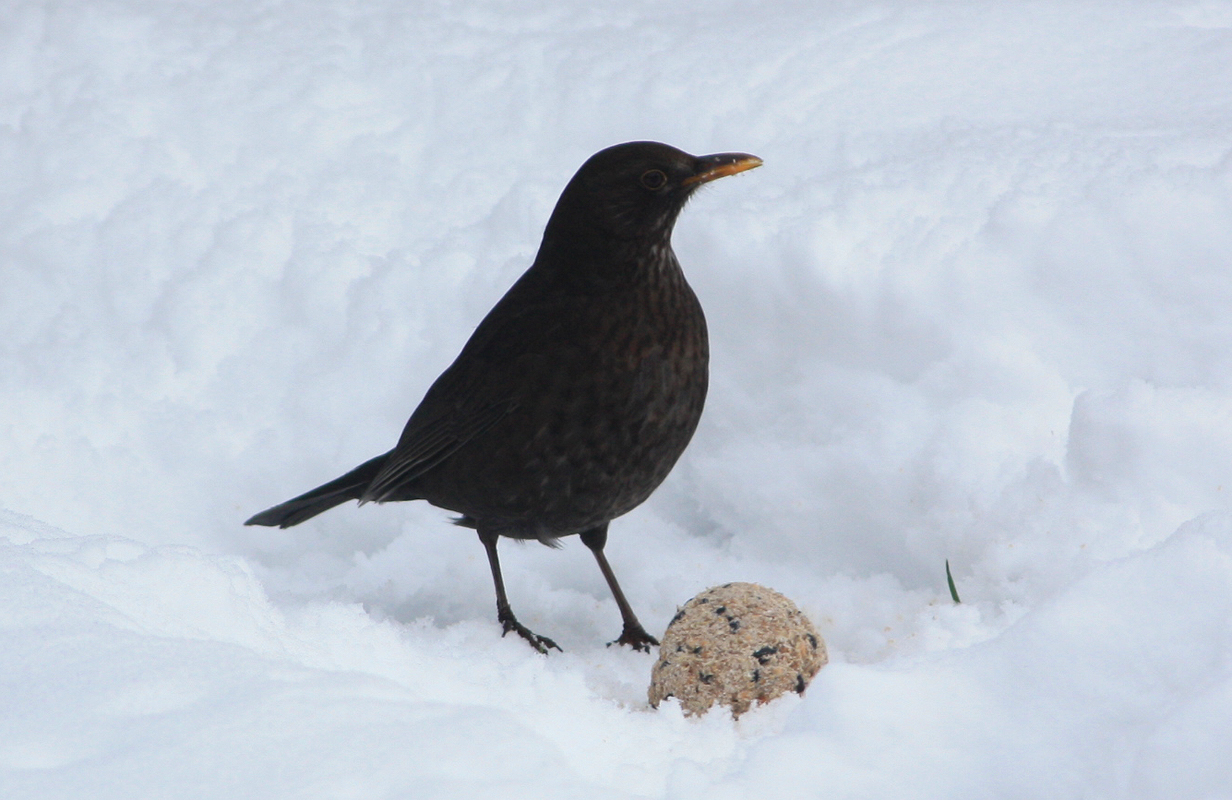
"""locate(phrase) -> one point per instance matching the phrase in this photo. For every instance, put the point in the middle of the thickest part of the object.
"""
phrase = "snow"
(974, 307)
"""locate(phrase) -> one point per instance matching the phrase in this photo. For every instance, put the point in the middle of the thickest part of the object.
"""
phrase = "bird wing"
(426, 443)
(476, 392)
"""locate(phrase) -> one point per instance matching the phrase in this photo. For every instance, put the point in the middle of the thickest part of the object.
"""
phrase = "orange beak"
(721, 165)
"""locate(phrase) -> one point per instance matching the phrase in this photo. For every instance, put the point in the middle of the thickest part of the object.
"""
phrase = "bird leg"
(634, 635)
(504, 614)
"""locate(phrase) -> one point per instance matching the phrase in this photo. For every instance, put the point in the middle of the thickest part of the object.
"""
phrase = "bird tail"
(349, 487)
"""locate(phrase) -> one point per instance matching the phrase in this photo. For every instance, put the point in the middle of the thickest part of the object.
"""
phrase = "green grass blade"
(950, 580)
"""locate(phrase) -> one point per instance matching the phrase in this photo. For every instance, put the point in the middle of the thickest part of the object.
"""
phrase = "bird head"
(630, 194)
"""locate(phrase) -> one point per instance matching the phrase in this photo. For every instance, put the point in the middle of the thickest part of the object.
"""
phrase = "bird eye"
(654, 179)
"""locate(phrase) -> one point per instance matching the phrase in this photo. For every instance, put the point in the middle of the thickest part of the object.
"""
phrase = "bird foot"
(540, 643)
(635, 636)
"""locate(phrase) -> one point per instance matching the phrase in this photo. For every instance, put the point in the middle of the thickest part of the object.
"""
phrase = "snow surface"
(976, 306)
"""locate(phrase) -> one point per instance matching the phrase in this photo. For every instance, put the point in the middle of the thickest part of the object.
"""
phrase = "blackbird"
(578, 391)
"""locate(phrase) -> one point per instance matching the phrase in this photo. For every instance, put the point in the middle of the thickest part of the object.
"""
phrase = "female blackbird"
(577, 393)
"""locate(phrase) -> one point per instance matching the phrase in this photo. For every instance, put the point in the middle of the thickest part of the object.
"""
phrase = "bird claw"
(541, 643)
(637, 638)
